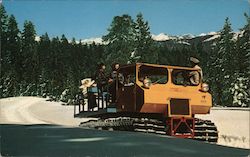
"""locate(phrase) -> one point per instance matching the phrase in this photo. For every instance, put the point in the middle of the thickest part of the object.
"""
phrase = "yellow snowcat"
(153, 98)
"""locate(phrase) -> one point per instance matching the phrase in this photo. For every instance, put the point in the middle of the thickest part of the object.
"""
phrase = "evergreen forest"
(54, 66)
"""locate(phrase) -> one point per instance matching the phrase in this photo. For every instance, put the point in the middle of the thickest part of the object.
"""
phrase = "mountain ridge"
(185, 39)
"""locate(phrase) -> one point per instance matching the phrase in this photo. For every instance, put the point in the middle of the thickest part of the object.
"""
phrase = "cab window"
(157, 75)
(186, 77)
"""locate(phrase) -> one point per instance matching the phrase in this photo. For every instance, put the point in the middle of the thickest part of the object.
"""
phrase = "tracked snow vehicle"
(155, 99)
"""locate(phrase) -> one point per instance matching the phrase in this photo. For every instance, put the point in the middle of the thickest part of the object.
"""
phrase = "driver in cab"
(194, 76)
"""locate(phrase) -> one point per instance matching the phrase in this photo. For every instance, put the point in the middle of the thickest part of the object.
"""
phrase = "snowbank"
(233, 125)
(33, 110)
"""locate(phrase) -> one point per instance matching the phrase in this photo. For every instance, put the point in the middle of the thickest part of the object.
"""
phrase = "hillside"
(207, 40)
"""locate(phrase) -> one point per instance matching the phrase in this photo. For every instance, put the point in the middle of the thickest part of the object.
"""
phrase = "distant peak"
(161, 37)
(209, 33)
(97, 40)
(188, 36)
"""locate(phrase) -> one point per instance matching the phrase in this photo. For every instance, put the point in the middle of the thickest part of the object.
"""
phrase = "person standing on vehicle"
(114, 80)
(100, 77)
(195, 76)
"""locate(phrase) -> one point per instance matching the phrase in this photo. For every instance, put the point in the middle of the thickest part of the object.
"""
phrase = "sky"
(85, 19)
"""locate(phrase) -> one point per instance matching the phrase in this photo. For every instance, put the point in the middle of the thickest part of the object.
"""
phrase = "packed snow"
(233, 124)
(187, 36)
(34, 110)
(237, 35)
(212, 38)
(209, 33)
(37, 38)
(184, 43)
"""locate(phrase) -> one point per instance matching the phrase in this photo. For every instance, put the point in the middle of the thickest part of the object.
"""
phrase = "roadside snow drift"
(233, 125)
(34, 110)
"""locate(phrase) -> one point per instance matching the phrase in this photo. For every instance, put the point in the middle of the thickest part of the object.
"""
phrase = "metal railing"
(95, 100)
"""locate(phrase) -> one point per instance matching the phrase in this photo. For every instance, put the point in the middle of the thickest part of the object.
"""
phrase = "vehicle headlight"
(204, 87)
(147, 83)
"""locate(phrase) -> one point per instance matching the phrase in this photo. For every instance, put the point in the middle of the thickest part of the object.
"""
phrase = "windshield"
(186, 77)
(157, 75)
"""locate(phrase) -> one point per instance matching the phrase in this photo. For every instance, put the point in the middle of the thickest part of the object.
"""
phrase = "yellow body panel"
(157, 97)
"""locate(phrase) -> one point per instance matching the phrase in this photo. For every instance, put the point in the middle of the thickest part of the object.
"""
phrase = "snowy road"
(233, 125)
(33, 110)
(16, 111)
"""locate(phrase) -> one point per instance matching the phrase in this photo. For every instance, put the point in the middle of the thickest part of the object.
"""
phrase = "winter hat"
(194, 60)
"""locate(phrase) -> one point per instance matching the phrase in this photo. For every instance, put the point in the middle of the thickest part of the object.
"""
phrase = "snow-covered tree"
(225, 61)
(222, 66)
(227, 53)
(214, 75)
(240, 93)
(241, 84)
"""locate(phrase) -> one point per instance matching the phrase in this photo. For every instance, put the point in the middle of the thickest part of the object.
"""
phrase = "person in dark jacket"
(115, 81)
(101, 78)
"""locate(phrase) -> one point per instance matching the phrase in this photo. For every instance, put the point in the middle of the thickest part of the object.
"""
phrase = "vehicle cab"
(150, 88)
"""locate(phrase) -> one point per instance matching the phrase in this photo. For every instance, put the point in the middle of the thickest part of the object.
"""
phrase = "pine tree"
(214, 73)
(163, 53)
(3, 33)
(55, 76)
(240, 86)
(45, 61)
(226, 59)
(222, 66)
(30, 60)
(245, 48)
(144, 44)
(63, 60)
(3, 54)
(120, 39)
(13, 49)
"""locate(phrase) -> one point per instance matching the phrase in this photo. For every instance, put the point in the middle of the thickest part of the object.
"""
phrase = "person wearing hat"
(195, 76)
